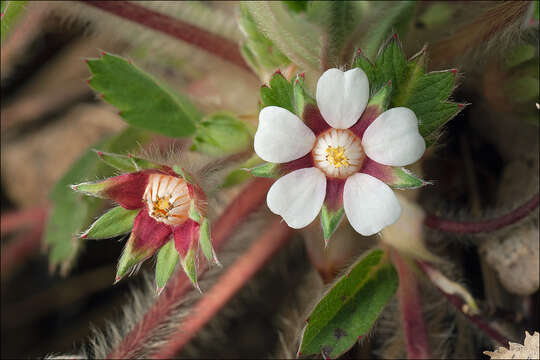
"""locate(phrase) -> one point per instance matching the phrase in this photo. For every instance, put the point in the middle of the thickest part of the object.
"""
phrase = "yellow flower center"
(167, 199)
(338, 153)
(336, 156)
(161, 208)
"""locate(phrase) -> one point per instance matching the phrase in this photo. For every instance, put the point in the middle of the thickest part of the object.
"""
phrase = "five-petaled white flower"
(337, 154)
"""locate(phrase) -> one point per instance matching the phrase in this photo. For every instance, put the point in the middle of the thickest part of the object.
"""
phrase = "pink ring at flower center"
(338, 153)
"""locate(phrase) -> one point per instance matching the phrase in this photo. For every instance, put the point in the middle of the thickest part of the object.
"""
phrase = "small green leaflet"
(167, 259)
(142, 100)
(114, 222)
(351, 307)
(425, 93)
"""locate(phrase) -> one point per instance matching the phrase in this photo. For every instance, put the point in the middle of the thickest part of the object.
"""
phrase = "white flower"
(338, 152)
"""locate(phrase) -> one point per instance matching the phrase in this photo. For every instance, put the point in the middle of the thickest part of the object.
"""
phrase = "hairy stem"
(459, 304)
(244, 204)
(485, 226)
(490, 24)
(410, 303)
(191, 34)
(271, 240)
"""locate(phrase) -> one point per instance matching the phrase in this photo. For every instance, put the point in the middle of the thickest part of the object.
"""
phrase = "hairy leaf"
(142, 100)
(293, 35)
(351, 307)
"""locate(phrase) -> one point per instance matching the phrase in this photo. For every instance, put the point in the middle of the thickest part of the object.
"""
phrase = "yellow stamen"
(162, 206)
(336, 156)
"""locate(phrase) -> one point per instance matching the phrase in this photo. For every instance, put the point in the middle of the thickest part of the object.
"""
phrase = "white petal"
(393, 138)
(342, 96)
(282, 136)
(298, 196)
(370, 204)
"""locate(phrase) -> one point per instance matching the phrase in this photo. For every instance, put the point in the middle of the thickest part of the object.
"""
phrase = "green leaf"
(142, 100)
(115, 222)
(221, 134)
(167, 258)
(72, 212)
(351, 307)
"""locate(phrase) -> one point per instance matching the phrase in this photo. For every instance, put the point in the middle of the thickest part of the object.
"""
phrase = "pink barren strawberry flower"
(169, 206)
(344, 155)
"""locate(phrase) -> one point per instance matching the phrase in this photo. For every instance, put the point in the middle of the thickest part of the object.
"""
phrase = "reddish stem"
(22, 218)
(512, 217)
(461, 305)
(20, 248)
(245, 203)
(191, 34)
(274, 237)
(410, 303)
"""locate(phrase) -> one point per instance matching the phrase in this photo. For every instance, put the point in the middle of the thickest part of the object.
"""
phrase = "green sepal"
(242, 173)
(404, 179)
(426, 94)
(351, 307)
(381, 99)
(330, 220)
(183, 173)
(267, 170)
(189, 264)
(194, 213)
(280, 93)
(130, 258)
(115, 222)
(362, 62)
(300, 96)
(205, 241)
(126, 163)
(167, 258)
(93, 188)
